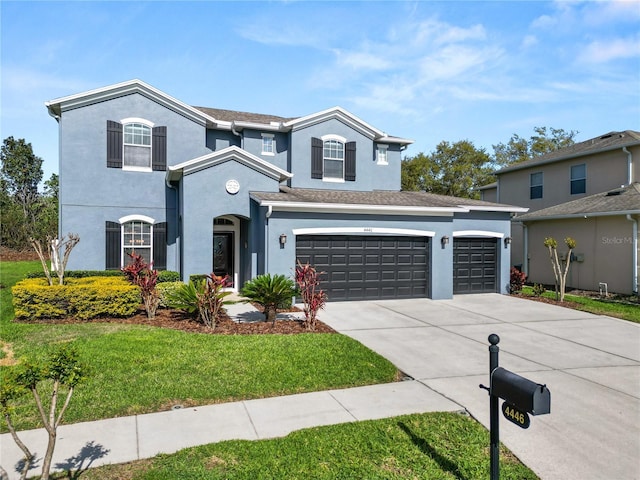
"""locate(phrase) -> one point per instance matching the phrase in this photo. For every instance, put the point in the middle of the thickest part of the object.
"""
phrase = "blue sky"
(429, 71)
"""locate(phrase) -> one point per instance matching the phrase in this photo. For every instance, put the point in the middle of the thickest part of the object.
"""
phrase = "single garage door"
(368, 267)
(475, 268)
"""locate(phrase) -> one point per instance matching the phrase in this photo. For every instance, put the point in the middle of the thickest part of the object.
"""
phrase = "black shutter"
(112, 249)
(159, 148)
(316, 158)
(114, 144)
(160, 246)
(350, 162)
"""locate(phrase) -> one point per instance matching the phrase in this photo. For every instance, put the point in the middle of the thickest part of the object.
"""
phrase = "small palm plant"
(271, 292)
(206, 298)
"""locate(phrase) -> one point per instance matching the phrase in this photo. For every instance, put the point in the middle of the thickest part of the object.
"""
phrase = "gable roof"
(59, 105)
(220, 156)
(620, 201)
(604, 143)
(378, 201)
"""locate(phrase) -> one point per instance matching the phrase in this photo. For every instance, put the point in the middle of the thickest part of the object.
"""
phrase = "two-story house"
(200, 190)
(588, 191)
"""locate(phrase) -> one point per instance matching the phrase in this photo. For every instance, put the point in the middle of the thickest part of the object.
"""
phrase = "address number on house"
(516, 416)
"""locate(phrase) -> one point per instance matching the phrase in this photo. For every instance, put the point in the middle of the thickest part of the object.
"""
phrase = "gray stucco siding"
(221, 139)
(89, 223)
(369, 175)
(253, 144)
(204, 198)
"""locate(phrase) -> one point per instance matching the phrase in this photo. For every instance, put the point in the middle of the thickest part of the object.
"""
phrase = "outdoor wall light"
(283, 239)
(507, 241)
(444, 240)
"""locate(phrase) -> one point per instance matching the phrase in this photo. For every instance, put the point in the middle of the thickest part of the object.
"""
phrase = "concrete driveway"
(590, 363)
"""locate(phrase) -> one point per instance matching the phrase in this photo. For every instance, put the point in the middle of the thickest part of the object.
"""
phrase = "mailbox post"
(521, 397)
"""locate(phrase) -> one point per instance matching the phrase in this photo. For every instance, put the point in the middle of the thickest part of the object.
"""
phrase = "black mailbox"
(520, 392)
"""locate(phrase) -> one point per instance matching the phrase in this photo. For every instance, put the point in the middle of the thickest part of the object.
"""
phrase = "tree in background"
(545, 140)
(456, 169)
(26, 212)
(459, 168)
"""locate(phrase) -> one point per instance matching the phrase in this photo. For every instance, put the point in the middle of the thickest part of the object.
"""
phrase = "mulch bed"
(177, 320)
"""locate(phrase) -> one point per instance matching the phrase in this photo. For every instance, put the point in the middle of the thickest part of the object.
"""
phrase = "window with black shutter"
(316, 158)
(136, 146)
(350, 162)
(114, 144)
(159, 149)
(112, 245)
(160, 246)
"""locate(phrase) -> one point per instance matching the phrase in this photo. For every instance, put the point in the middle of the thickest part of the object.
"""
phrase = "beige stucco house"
(589, 191)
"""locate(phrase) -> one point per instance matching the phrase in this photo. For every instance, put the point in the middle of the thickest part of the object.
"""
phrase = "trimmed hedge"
(165, 289)
(83, 298)
(163, 275)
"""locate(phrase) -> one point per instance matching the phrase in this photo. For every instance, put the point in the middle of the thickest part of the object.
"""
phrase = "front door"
(223, 254)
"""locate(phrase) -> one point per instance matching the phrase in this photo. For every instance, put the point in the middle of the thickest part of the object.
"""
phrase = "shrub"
(206, 298)
(538, 289)
(140, 273)
(312, 296)
(167, 289)
(163, 275)
(271, 292)
(168, 276)
(82, 298)
(516, 281)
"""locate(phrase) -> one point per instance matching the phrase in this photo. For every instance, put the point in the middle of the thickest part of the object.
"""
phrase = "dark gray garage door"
(475, 268)
(368, 267)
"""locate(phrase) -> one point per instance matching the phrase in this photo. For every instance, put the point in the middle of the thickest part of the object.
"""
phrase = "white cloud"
(529, 41)
(361, 60)
(602, 51)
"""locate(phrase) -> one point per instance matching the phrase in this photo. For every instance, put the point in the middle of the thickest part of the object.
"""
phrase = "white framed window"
(136, 144)
(268, 144)
(333, 158)
(381, 155)
(137, 236)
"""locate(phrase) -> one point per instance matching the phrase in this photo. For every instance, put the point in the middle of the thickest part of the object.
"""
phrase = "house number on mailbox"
(516, 416)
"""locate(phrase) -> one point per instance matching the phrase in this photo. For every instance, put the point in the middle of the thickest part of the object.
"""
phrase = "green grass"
(139, 369)
(612, 308)
(423, 446)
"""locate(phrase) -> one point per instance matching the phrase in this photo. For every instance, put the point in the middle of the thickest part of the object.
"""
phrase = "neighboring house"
(588, 191)
(198, 190)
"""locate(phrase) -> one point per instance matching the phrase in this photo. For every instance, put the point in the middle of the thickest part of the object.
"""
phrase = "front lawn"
(612, 308)
(140, 369)
(426, 446)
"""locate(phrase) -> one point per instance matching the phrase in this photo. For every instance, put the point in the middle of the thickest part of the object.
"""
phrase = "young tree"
(58, 251)
(63, 371)
(560, 267)
(519, 149)
(456, 169)
(313, 297)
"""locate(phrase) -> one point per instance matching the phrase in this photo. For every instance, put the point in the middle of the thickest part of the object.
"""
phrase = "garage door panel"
(474, 265)
(363, 267)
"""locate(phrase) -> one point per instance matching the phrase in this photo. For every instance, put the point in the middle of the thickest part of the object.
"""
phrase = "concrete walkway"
(590, 363)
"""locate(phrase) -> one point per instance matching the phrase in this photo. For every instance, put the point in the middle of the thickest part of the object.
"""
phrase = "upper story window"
(268, 144)
(136, 144)
(535, 185)
(578, 179)
(333, 159)
(381, 155)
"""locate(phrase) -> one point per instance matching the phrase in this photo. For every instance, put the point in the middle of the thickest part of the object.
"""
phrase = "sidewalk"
(124, 439)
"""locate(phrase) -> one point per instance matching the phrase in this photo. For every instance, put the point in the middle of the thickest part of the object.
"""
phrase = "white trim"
(142, 218)
(379, 149)
(337, 113)
(491, 208)
(363, 231)
(127, 168)
(333, 180)
(331, 136)
(477, 233)
(273, 144)
(366, 209)
(235, 229)
(137, 120)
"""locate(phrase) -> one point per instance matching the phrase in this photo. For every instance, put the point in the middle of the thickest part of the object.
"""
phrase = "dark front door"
(223, 254)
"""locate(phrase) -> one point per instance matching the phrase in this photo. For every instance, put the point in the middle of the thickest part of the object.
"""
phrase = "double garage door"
(362, 267)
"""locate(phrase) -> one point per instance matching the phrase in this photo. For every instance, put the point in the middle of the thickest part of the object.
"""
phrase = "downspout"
(178, 263)
(634, 254)
(233, 130)
(266, 238)
(525, 243)
(629, 165)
